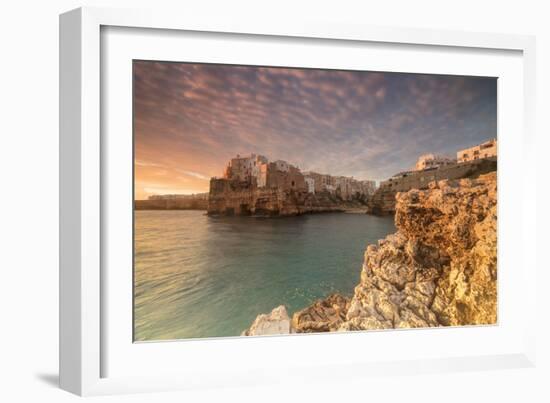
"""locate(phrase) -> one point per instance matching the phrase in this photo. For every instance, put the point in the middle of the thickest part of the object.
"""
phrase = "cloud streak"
(195, 175)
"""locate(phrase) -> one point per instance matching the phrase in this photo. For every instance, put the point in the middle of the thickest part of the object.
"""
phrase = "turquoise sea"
(201, 276)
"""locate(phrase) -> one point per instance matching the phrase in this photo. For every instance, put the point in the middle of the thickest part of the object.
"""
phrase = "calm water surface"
(200, 276)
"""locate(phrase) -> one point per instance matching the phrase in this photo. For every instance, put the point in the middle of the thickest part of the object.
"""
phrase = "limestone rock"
(382, 202)
(276, 322)
(323, 316)
(439, 268)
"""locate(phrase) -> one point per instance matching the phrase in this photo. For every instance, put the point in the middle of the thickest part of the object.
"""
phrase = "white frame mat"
(96, 355)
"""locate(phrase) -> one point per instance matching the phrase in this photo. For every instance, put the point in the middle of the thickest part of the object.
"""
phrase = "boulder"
(276, 322)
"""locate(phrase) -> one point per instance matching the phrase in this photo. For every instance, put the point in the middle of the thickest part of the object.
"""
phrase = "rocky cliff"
(438, 269)
(382, 202)
(231, 197)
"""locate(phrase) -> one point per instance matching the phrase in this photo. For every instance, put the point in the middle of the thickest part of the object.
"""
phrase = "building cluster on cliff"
(259, 172)
(470, 163)
(487, 149)
(430, 167)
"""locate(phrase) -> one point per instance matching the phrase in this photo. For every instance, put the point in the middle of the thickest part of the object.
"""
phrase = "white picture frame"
(85, 344)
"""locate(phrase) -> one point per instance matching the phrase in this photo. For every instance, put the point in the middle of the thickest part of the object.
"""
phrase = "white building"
(257, 161)
(368, 187)
(427, 161)
(245, 168)
(484, 150)
(310, 182)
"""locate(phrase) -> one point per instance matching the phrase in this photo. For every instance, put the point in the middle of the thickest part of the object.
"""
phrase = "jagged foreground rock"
(276, 322)
(438, 269)
(323, 316)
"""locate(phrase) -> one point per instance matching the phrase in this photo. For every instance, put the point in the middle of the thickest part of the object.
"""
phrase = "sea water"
(201, 276)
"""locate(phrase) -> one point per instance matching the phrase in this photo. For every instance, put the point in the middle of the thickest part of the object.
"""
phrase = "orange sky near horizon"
(151, 182)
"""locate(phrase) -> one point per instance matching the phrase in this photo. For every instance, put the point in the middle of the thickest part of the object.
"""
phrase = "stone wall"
(383, 200)
(288, 179)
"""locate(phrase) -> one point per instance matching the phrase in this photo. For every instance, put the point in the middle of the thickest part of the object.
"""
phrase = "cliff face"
(240, 198)
(438, 269)
(382, 202)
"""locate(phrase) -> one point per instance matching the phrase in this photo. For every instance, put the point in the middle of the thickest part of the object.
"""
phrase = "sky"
(191, 119)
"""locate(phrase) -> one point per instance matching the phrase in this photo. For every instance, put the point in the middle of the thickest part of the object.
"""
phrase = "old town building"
(427, 161)
(245, 168)
(487, 149)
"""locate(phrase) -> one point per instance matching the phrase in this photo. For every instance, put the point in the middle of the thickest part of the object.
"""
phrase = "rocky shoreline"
(438, 269)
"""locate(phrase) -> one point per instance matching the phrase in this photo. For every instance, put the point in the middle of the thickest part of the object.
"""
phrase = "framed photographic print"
(237, 198)
(211, 252)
